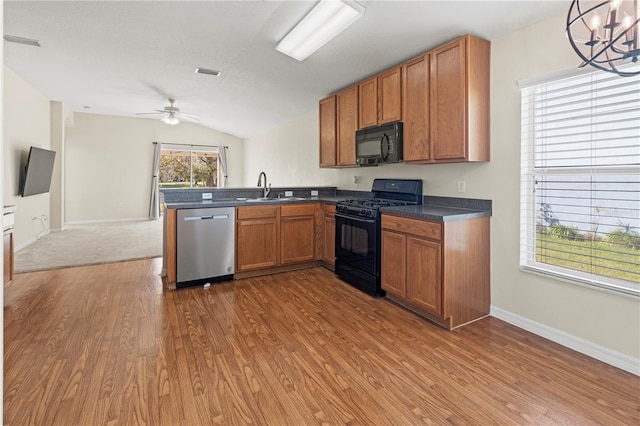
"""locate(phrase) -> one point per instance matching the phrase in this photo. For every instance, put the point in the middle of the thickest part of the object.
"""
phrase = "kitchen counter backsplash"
(354, 194)
(175, 195)
(458, 203)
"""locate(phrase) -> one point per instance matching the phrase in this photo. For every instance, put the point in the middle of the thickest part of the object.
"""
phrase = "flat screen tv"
(38, 171)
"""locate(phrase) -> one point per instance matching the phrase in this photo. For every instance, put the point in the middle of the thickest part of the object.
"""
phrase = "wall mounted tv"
(38, 171)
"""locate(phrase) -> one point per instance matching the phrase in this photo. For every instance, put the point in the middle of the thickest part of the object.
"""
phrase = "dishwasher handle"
(212, 216)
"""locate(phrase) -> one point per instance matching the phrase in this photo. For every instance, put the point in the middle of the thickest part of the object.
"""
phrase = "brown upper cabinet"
(446, 103)
(380, 99)
(346, 125)
(390, 96)
(441, 96)
(328, 132)
(368, 103)
(415, 96)
(460, 100)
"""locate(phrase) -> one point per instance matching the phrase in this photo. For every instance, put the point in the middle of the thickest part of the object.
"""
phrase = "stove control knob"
(363, 212)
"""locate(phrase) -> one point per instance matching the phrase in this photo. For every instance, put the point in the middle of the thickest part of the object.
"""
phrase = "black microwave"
(379, 144)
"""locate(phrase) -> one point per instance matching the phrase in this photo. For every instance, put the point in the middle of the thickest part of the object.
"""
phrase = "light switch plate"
(288, 193)
(207, 196)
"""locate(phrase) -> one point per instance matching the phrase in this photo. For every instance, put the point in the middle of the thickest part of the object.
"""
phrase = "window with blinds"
(580, 181)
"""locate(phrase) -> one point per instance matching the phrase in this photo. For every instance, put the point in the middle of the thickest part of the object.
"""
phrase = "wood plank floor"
(105, 345)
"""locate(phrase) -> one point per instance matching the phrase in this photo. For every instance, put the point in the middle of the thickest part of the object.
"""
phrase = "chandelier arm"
(598, 45)
(607, 45)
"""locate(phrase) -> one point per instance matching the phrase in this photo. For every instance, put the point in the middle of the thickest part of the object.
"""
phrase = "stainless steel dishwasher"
(205, 245)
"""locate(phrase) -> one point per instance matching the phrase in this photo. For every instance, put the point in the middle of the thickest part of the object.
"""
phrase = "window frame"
(529, 215)
(189, 152)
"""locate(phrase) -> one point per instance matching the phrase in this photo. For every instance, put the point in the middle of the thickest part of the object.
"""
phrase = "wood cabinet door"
(415, 110)
(257, 244)
(394, 258)
(449, 102)
(347, 124)
(328, 132)
(390, 96)
(297, 239)
(368, 103)
(329, 240)
(424, 274)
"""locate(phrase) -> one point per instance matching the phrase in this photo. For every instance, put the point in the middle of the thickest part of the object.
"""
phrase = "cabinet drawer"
(328, 209)
(298, 210)
(256, 212)
(421, 228)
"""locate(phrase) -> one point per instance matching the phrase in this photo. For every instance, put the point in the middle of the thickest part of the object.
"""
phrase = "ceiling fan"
(172, 115)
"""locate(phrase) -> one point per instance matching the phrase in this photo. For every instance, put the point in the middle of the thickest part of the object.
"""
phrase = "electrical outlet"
(355, 179)
(314, 193)
(207, 196)
(462, 186)
(288, 193)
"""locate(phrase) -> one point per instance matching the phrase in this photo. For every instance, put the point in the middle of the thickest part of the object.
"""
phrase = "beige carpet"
(90, 244)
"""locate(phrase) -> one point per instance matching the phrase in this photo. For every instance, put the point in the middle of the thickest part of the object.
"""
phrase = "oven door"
(357, 243)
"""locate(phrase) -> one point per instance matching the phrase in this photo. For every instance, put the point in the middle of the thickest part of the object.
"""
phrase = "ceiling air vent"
(206, 71)
(21, 40)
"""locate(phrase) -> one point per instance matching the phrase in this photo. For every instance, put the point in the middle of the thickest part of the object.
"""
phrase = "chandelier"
(605, 34)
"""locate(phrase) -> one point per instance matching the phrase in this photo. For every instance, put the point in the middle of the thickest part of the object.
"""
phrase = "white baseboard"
(93, 222)
(19, 247)
(611, 357)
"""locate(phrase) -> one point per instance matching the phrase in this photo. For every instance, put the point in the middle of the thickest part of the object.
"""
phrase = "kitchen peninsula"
(296, 231)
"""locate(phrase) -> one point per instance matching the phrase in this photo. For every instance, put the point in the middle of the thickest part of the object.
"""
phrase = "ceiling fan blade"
(150, 113)
(188, 118)
(187, 114)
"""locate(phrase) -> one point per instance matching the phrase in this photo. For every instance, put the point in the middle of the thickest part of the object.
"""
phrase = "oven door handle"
(357, 219)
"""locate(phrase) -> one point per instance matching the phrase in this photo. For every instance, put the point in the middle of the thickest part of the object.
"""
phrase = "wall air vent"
(21, 40)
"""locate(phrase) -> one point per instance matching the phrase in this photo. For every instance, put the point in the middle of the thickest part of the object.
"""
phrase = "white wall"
(26, 124)
(109, 160)
(608, 320)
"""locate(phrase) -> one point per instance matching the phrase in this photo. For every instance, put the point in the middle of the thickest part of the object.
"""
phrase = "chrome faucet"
(266, 190)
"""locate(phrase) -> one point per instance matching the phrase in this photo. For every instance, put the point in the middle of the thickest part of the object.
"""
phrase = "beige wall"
(26, 124)
(604, 319)
(108, 163)
(288, 154)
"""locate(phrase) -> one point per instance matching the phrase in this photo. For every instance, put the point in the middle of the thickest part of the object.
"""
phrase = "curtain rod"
(188, 144)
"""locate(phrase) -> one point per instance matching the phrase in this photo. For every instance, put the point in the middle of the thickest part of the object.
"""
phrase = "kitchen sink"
(262, 199)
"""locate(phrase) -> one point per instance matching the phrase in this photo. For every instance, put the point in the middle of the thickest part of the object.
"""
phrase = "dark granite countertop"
(460, 209)
(435, 213)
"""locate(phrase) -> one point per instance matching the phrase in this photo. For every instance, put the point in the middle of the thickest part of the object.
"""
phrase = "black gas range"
(358, 231)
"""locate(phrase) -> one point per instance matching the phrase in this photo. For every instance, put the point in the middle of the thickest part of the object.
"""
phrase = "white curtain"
(222, 154)
(154, 207)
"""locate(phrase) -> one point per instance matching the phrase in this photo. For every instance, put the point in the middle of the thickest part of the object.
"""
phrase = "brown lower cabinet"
(329, 235)
(437, 269)
(257, 237)
(271, 236)
(297, 233)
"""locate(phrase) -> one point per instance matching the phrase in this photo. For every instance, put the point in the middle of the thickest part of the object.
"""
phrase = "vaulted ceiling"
(125, 57)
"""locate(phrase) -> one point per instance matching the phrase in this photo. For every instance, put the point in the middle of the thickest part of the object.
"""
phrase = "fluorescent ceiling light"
(325, 21)
(21, 40)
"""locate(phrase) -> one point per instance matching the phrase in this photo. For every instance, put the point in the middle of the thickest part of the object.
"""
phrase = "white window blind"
(580, 181)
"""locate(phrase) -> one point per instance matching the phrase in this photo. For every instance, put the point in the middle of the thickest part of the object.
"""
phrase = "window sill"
(618, 290)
